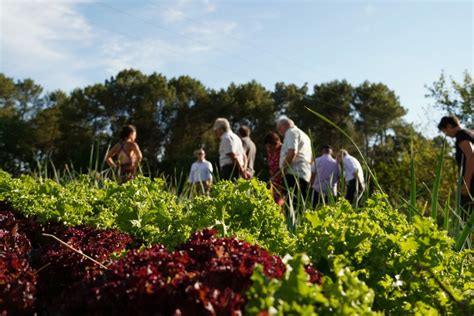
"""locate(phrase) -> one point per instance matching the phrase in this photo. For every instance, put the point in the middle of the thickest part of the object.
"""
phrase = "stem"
(465, 233)
(75, 250)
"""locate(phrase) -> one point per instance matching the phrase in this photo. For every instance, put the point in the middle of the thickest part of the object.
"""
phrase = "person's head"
(283, 124)
(326, 150)
(221, 125)
(128, 132)
(449, 125)
(271, 140)
(244, 131)
(341, 154)
(200, 154)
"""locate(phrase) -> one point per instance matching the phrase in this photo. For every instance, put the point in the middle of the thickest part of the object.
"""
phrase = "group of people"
(293, 172)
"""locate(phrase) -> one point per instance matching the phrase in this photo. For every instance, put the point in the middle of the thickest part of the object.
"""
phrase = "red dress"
(276, 182)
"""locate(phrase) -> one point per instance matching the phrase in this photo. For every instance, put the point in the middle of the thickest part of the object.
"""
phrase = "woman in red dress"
(273, 145)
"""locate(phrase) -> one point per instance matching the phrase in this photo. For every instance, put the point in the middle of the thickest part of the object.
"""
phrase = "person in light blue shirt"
(200, 175)
(324, 176)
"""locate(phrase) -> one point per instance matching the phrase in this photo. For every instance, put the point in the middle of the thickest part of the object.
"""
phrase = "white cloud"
(180, 10)
(212, 34)
(119, 53)
(209, 6)
(35, 31)
(54, 43)
(36, 37)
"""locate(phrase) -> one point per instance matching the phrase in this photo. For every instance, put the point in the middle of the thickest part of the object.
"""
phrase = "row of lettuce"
(372, 259)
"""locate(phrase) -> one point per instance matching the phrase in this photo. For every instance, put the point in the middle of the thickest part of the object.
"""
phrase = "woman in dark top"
(450, 126)
(128, 154)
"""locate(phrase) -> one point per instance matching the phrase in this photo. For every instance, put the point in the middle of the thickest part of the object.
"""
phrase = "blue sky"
(404, 44)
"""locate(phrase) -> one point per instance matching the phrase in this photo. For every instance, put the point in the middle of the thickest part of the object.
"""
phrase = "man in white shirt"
(353, 175)
(200, 175)
(295, 158)
(232, 160)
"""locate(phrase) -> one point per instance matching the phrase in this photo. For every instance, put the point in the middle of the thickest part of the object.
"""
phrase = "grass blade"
(446, 212)
(465, 233)
(436, 184)
(412, 205)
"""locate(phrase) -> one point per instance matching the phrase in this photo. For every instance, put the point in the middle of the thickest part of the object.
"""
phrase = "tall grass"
(436, 184)
(412, 205)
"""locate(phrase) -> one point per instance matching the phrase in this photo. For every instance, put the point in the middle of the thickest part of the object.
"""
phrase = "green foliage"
(454, 97)
(373, 260)
(294, 295)
(406, 265)
(244, 209)
(145, 209)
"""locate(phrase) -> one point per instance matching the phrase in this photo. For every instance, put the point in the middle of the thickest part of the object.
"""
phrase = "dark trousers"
(229, 172)
(319, 198)
(299, 187)
(467, 204)
(354, 189)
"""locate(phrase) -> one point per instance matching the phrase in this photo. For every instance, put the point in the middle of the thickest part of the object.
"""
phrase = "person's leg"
(359, 193)
(289, 183)
(299, 187)
(200, 187)
(226, 172)
(351, 190)
(235, 174)
(305, 194)
(315, 198)
(467, 204)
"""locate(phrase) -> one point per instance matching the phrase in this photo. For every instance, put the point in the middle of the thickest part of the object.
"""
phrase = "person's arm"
(110, 154)
(468, 151)
(138, 152)
(233, 156)
(191, 173)
(290, 156)
(210, 171)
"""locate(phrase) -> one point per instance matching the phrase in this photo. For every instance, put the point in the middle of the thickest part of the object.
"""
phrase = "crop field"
(87, 248)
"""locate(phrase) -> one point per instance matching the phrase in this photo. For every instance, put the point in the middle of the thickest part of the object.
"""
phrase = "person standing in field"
(464, 140)
(200, 175)
(324, 176)
(232, 159)
(354, 176)
(273, 146)
(295, 159)
(128, 154)
(249, 148)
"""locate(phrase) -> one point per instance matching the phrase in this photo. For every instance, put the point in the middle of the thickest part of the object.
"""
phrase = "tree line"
(174, 116)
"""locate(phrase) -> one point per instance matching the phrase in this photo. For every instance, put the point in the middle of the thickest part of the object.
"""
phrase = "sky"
(404, 44)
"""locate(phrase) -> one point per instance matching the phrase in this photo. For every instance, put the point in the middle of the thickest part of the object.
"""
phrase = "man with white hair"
(295, 157)
(353, 175)
(232, 158)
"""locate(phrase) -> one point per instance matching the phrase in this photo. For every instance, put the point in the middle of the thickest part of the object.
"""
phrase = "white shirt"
(351, 166)
(301, 165)
(200, 171)
(230, 143)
